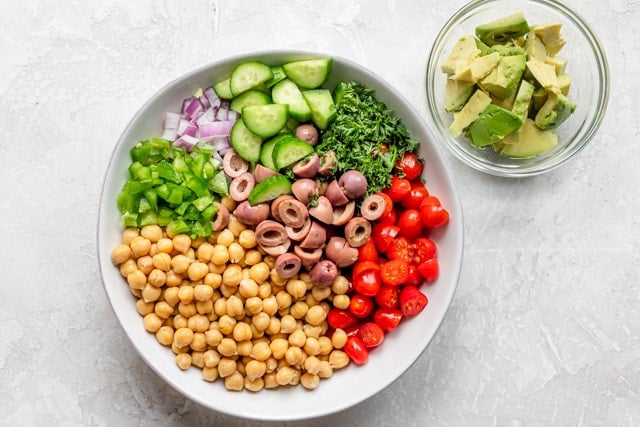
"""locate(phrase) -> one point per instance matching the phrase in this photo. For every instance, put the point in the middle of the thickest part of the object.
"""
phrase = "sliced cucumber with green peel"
(270, 189)
(309, 73)
(278, 75)
(249, 75)
(250, 97)
(223, 89)
(266, 153)
(244, 142)
(289, 151)
(323, 110)
(287, 92)
(265, 120)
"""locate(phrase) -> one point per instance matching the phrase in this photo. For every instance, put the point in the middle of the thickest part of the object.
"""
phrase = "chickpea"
(234, 382)
(180, 263)
(312, 364)
(235, 226)
(236, 252)
(183, 337)
(278, 348)
(325, 345)
(153, 232)
(171, 296)
(244, 347)
(294, 356)
(283, 299)
(255, 369)
(205, 307)
(164, 245)
(210, 374)
(338, 359)
(152, 323)
(312, 346)
(157, 278)
(163, 309)
(181, 243)
(285, 375)
(185, 294)
(140, 246)
(199, 342)
(252, 257)
(247, 239)
(259, 272)
(129, 234)
(340, 285)
(128, 267)
(226, 324)
(232, 275)
(213, 279)
(178, 350)
(288, 324)
(202, 293)
(137, 279)
(264, 290)
(315, 315)
(164, 335)
(253, 385)
(241, 332)
(253, 306)
(261, 351)
(173, 279)
(227, 347)
(220, 306)
(270, 305)
(270, 260)
(145, 264)
(143, 307)
(226, 367)
(325, 370)
(274, 326)
(235, 307)
(296, 288)
(211, 358)
(297, 338)
(204, 252)
(151, 293)
(299, 309)
(197, 359)
(260, 321)
(339, 338)
(276, 279)
(320, 293)
(197, 271)
(213, 337)
(270, 380)
(120, 253)
(225, 238)
(179, 321)
(183, 360)
(341, 301)
(310, 381)
(198, 323)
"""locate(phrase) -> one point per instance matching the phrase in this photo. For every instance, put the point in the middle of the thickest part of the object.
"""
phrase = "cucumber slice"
(223, 89)
(249, 75)
(245, 143)
(287, 92)
(269, 189)
(250, 97)
(278, 76)
(310, 73)
(290, 150)
(323, 110)
(265, 120)
(266, 153)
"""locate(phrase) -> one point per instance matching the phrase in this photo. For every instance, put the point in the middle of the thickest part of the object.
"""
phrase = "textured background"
(544, 328)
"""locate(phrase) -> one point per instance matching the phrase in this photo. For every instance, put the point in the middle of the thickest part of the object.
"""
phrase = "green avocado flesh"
(492, 126)
(503, 30)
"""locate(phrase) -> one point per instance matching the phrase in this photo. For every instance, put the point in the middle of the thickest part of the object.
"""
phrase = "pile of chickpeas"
(219, 304)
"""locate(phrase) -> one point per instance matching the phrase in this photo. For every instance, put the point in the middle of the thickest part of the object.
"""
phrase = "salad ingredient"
(371, 334)
(322, 211)
(433, 215)
(265, 120)
(399, 188)
(410, 223)
(357, 231)
(324, 273)
(323, 110)
(416, 195)
(503, 30)
(394, 272)
(248, 75)
(356, 350)
(360, 306)
(310, 73)
(308, 133)
(365, 136)
(367, 282)
(373, 207)
(261, 173)
(308, 167)
(343, 214)
(388, 296)
(335, 194)
(293, 213)
(353, 183)
(315, 238)
(305, 190)
(290, 150)
(245, 143)
(250, 97)
(241, 186)
(410, 165)
(234, 165)
(412, 300)
(287, 265)
(340, 252)
(387, 318)
(269, 189)
(328, 163)
(286, 92)
(251, 214)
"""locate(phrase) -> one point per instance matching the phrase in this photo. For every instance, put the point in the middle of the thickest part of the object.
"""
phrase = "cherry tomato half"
(361, 306)
(433, 216)
(367, 283)
(425, 249)
(371, 334)
(416, 195)
(394, 272)
(388, 296)
(388, 319)
(414, 278)
(400, 248)
(362, 266)
(399, 189)
(340, 319)
(410, 223)
(383, 235)
(368, 251)
(356, 350)
(410, 165)
(429, 269)
(412, 301)
(388, 218)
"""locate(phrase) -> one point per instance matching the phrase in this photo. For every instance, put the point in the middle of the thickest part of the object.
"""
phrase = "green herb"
(365, 135)
(171, 187)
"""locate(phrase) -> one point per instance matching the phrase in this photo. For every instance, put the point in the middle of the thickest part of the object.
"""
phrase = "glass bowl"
(587, 66)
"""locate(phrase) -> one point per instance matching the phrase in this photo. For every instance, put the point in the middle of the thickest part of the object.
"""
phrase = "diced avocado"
(555, 110)
(484, 49)
(535, 48)
(550, 36)
(493, 125)
(477, 69)
(470, 112)
(505, 50)
(529, 141)
(464, 50)
(539, 98)
(523, 100)
(544, 74)
(564, 83)
(558, 63)
(507, 103)
(457, 94)
(503, 30)
(503, 80)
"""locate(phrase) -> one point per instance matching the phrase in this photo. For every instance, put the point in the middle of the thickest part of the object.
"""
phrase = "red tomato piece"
(399, 189)
(416, 195)
(424, 249)
(431, 200)
(368, 251)
(362, 266)
(383, 235)
(388, 218)
(429, 269)
(433, 215)
(412, 301)
(371, 334)
(356, 350)
(367, 283)
(410, 223)
(400, 249)
(361, 306)
(414, 278)
(394, 272)
(387, 318)
(388, 296)
(340, 319)
(411, 165)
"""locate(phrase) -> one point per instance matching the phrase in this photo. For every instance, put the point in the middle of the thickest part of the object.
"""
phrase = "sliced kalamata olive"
(315, 238)
(305, 190)
(324, 273)
(357, 231)
(308, 257)
(373, 207)
(300, 233)
(288, 265)
(276, 204)
(261, 173)
(234, 165)
(340, 252)
(342, 214)
(222, 217)
(307, 133)
(328, 163)
(335, 194)
(277, 250)
(293, 213)
(322, 211)
(353, 183)
(270, 233)
(251, 215)
(322, 186)
(307, 168)
(241, 186)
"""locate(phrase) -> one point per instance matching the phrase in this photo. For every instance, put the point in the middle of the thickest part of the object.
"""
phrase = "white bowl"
(348, 386)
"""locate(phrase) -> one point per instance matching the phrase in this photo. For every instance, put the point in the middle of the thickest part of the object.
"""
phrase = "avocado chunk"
(492, 126)
(503, 30)
(564, 83)
(456, 94)
(505, 50)
(555, 110)
(523, 100)
(544, 74)
(534, 47)
(551, 37)
(539, 98)
(470, 112)
(484, 49)
(557, 62)
(502, 81)
(477, 69)
(464, 51)
(529, 141)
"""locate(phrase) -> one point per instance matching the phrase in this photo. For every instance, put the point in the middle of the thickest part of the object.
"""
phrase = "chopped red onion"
(215, 129)
(171, 120)
(194, 107)
(186, 142)
(169, 134)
